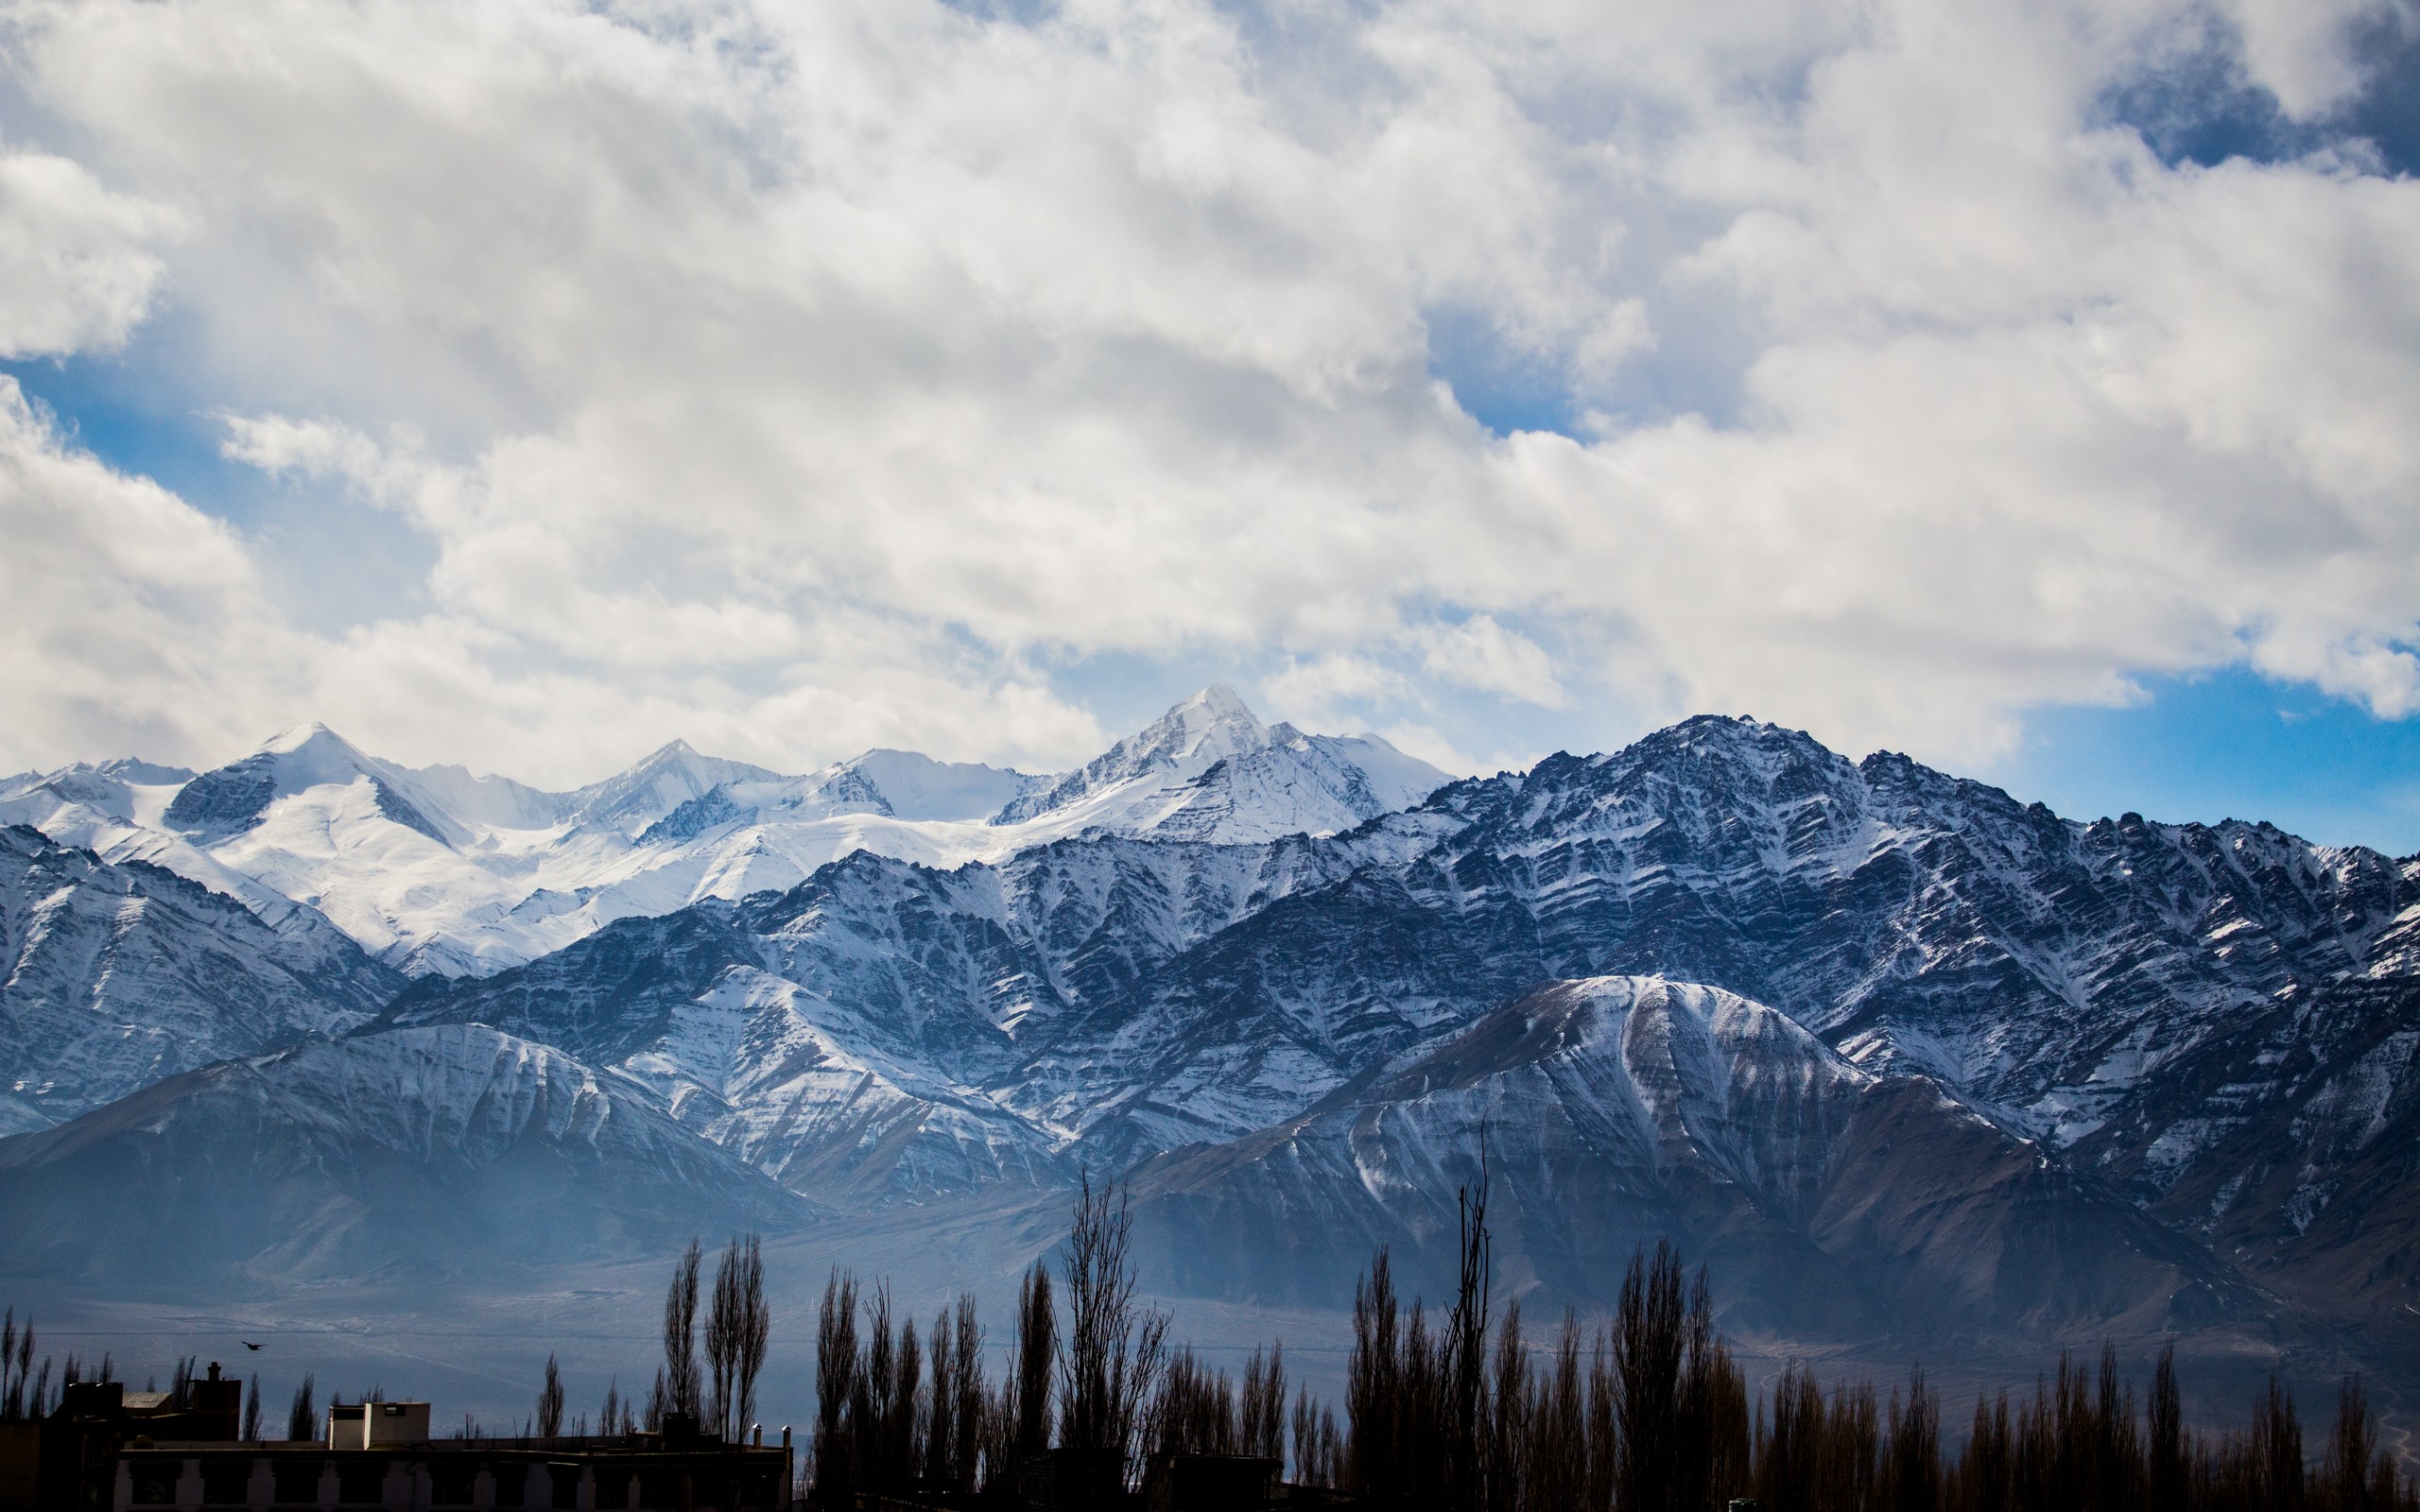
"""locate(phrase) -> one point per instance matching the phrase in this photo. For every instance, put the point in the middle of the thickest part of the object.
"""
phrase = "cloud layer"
(798, 379)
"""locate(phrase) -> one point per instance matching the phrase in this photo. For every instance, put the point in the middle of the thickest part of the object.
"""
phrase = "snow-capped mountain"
(117, 975)
(416, 1148)
(2128, 1071)
(436, 871)
(1208, 770)
(1105, 1000)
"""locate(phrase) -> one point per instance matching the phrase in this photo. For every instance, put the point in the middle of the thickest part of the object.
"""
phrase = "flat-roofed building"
(103, 1451)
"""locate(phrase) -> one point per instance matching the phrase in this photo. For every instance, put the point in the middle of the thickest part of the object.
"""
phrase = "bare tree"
(1373, 1385)
(302, 1418)
(835, 1388)
(1465, 1343)
(941, 1431)
(252, 1407)
(1037, 1346)
(1114, 1350)
(738, 1326)
(550, 1402)
(2164, 1467)
(1648, 1342)
(1262, 1427)
(967, 1396)
(680, 1336)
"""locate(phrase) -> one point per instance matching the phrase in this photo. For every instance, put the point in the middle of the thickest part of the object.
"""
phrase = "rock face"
(119, 975)
(418, 1149)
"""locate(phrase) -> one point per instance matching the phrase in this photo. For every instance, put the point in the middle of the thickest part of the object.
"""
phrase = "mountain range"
(1895, 1053)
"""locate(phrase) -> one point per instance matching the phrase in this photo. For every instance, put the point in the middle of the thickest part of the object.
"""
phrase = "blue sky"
(2038, 394)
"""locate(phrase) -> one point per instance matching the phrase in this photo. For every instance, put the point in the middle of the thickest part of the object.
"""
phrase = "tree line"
(708, 1376)
(1464, 1410)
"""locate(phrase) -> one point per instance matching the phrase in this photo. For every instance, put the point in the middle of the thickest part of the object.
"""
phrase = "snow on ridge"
(435, 869)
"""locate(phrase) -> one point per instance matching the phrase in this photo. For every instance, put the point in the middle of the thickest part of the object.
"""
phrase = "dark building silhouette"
(109, 1450)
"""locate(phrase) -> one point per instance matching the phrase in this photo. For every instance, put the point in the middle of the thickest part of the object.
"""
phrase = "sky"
(2031, 388)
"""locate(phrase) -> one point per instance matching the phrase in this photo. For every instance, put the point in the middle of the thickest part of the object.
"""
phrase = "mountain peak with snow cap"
(1208, 770)
(232, 798)
(667, 777)
(1181, 744)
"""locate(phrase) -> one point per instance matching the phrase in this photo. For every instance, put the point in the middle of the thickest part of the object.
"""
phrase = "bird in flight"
(248, 1344)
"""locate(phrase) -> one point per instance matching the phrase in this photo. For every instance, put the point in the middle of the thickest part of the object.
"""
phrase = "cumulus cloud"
(78, 265)
(132, 621)
(796, 378)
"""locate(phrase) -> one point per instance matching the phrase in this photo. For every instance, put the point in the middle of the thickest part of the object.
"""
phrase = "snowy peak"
(106, 789)
(1208, 770)
(631, 800)
(1184, 742)
(232, 798)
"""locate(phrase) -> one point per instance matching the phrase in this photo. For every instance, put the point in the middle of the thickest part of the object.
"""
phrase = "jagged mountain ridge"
(887, 1031)
(1110, 1000)
(436, 871)
(117, 975)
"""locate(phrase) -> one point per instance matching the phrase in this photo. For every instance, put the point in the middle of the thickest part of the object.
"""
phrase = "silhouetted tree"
(2275, 1451)
(1373, 1385)
(1113, 1351)
(1649, 1345)
(680, 1392)
(550, 1402)
(737, 1328)
(1911, 1474)
(2166, 1476)
(835, 1390)
(1261, 1425)
(1319, 1449)
(1028, 1389)
(302, 1418)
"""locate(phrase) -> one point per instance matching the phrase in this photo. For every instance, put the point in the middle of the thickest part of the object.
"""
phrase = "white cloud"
(128, 621)
(1483, 656)
(2304, 51)
(77, 268)
(791, 378)
(132, 622)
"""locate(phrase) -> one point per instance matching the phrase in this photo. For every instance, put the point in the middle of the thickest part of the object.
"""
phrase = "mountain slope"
(118, 975)
(447, 1149)
(1617, 1111)
(1103, 1001)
